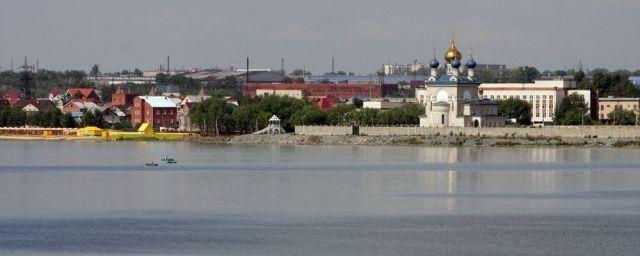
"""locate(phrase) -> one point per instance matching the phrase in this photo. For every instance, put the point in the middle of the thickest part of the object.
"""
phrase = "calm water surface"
(95, 198)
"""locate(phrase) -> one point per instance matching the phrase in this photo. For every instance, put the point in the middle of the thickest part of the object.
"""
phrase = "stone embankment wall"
(549, 131)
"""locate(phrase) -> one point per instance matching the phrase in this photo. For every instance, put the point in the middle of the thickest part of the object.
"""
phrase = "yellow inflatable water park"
(144, 132)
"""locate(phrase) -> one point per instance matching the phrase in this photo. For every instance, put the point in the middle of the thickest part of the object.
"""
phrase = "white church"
(451, 99)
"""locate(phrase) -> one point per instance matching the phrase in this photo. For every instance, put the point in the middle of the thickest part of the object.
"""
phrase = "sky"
(361, 34)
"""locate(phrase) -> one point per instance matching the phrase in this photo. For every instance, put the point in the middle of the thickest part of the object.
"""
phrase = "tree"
(614, 84)
(249, 118)
(405, 115)
(214, 116)
(138, 72)
(162, 78)
(300, 72)
(95, 70)
(620, 116)
(516, 108)
(572, 111)
(579, 77)
(357, 102)
(309, 115)
(283, 107)
(92, 118)
(338, 115)
(365, 116)
(560, 73)
(67, 121)
(485, 76)
(524, 74)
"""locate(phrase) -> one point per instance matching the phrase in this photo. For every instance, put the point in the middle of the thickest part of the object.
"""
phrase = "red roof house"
(13, 95)
(83, 95)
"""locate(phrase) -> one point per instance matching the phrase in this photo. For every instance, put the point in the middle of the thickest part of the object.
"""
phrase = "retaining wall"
(549, 131)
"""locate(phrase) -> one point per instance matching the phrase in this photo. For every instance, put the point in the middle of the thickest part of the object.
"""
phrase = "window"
(537, 97)
(531, 97)
(443, 119)
(551, 97)
(544, 97)
(157, 111)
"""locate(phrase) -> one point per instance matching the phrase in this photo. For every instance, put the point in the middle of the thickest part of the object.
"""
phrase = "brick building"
(340, 92)
(158, 111)
(122, 99)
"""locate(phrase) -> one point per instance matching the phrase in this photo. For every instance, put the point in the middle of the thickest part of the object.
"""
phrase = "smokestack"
(282, 66)
(168, 62)
(247, 70)
(333, 65)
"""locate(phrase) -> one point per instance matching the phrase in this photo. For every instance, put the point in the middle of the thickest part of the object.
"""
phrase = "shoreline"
(391, 140)
(424, 141)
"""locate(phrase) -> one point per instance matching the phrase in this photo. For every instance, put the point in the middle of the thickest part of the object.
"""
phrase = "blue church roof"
(446, 80)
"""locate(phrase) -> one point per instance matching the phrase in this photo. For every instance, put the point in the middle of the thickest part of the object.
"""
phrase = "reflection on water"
(94, 197)
(77, 179)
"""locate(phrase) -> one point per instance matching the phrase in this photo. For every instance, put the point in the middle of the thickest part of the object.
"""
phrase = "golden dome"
(452, 53)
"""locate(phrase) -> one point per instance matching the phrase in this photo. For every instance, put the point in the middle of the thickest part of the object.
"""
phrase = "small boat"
(152, 164)
(169, 160)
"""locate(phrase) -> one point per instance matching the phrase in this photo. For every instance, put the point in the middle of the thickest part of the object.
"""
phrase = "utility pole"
(11, 64)
(26, 79)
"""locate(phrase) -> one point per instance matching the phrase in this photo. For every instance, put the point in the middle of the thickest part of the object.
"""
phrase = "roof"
(357, 79)
(144, 127)
(85, 92)
(610, 98)
(447, 80)
(41, 105)
(86, 105)
(194, 99)
(158, 101)
(13, 93)
(117, 111)
(56, 91)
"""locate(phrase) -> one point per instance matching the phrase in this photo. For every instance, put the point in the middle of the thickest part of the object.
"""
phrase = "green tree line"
(15, 117)
(216, 116)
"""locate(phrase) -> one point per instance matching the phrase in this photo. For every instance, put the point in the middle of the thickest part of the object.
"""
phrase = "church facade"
(451, 99)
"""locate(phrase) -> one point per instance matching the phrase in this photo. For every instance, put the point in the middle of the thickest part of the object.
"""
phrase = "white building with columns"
(544, 96)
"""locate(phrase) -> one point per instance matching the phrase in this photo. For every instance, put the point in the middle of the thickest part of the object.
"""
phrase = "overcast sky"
(361, 34)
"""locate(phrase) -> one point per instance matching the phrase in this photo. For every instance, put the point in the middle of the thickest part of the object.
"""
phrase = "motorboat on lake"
(169, 160)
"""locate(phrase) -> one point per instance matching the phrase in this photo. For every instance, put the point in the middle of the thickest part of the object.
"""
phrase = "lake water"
(97, 198)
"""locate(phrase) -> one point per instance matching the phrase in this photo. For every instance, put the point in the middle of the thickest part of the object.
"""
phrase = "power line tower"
(26, 78)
